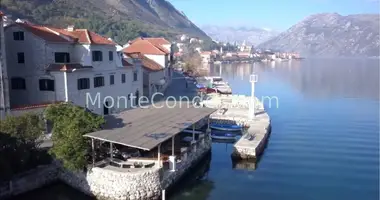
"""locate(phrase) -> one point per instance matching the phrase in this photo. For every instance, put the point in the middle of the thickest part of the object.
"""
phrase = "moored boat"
(223, 136)
(226, 127)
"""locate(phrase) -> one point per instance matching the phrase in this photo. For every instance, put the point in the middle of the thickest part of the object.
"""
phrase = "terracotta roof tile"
(85, 36)
(155, 41)
(43, 32)
(206, 53)
(146, 62)
(126, 63)
(51, 34)
(144, 47)
(33, 106)
(66, 67)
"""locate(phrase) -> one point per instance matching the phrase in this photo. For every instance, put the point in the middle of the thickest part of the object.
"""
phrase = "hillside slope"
(330, 34)
(120, 19)
(251, 35)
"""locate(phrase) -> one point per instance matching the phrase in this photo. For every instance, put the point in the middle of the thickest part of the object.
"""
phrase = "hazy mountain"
(251, 35)
(330, 34)
(121, 19)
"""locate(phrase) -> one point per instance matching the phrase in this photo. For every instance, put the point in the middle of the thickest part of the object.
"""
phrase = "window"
(135, 76)
(19, 35)
(110, 55)
(20, 58)
(122, 78)
(46, 85)
(112, 79)
(99, 81)
(83, 83)
(97, 56)
(18, 84)
(62, 57)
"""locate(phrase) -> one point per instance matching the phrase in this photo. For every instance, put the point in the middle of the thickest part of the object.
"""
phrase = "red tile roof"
(146, 62)
(51, 34)
(66, 67)
(126, 63)
(155, 41)
(33, 106)
(206, 53)
(145, 47)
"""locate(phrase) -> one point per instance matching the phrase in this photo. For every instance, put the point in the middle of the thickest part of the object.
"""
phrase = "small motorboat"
(226, 127)
(223, 136)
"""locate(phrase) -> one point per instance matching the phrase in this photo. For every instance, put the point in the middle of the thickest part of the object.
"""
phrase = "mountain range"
(251, 35)
(122, 20)
(331, 35)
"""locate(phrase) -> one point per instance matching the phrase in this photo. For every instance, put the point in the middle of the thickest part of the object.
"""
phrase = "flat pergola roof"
(146, 128)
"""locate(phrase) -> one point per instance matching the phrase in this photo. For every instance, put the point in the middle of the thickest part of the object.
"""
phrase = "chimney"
(70, 28)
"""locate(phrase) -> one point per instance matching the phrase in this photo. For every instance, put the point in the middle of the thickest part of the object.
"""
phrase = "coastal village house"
(206, 56)
(156, 55)
(47, 65)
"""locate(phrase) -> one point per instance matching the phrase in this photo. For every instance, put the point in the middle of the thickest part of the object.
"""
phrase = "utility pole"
(253, 79)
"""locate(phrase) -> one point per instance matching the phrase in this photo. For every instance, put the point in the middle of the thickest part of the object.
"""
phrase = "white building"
(206, 57)
(47, 65)
(154, 52)
(184, 37)
(193, 40)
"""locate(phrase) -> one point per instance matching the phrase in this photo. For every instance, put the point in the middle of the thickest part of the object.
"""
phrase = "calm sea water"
(324, 143)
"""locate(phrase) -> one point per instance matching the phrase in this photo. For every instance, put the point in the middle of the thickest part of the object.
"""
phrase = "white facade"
(39, 54)
(184, 38)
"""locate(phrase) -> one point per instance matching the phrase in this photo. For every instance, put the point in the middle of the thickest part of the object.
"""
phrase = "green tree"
(70, 124)
(19, 144)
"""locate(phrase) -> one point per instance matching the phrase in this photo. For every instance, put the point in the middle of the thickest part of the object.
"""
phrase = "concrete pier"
(233, 109)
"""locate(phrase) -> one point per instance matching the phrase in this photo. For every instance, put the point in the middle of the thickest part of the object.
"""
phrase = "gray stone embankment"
(30, 180)
(234, 110)
(109, 184)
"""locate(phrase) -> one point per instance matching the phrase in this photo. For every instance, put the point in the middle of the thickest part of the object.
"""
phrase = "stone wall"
(103, 183)
(198, 151)
(30, 180)
(110, 184)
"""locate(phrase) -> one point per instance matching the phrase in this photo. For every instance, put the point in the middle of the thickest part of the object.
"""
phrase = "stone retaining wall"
(191, 160)
(145, 184)
(110, 184)
(31, 180)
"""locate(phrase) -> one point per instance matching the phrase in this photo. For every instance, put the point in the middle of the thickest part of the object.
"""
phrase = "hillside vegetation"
(121, 20)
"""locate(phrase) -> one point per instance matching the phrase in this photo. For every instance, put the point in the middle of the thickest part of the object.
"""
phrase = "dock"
(233, 109)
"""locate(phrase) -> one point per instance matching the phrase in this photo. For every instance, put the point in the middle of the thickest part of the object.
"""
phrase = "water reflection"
(196, 184)
(247, 165)
(344, 78)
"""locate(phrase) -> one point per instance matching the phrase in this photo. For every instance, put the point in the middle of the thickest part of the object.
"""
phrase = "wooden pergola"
(147, 128)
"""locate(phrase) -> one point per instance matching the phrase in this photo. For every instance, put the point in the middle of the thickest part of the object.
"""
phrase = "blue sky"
(273, 14)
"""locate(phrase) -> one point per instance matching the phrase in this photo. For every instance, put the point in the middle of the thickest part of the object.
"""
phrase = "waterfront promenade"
(253, 141)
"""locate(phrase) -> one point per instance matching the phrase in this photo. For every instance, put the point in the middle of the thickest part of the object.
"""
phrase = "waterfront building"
(206, 57)
(47, 65)
(157, 70)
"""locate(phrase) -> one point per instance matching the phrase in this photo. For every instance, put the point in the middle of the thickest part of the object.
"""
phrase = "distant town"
(232, 52)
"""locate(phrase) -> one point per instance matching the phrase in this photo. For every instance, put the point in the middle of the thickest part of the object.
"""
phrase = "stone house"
(156, 52)
(206, 57)
(47, 65)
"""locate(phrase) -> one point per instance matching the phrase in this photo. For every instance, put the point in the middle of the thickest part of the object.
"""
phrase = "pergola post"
(193, 142)
(159, 155)
(172, 158)
(111, 150)
(193, 132)
(93, 152)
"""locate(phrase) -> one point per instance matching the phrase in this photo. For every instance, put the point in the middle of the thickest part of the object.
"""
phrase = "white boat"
(223, 88)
